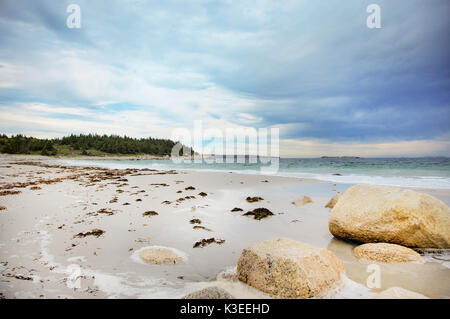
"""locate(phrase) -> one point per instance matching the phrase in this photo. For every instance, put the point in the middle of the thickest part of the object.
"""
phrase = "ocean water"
(403, 172)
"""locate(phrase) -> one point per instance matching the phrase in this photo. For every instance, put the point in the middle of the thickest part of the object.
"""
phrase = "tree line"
(111, 144)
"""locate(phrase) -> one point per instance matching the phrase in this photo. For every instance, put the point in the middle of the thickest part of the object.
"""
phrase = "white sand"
(33, 245)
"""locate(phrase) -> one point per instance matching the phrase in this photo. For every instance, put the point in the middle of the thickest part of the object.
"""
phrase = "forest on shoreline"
(85, 144)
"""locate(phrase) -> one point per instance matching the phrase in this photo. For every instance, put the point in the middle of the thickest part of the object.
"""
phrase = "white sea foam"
(433, 182)
(429, 182)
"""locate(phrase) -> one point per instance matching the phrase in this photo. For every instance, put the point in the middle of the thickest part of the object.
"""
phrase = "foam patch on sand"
(345, 289)
(116, 285)
(348, 289)
(77, 259)
(442, 257)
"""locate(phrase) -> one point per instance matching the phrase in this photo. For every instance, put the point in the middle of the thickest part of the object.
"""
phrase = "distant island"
(350, 157)
(87, 145)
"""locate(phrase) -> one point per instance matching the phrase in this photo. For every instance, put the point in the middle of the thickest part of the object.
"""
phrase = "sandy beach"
(49, 209)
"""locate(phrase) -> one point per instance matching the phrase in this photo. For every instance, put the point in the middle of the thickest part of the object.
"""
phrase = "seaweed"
(259, 213)
(106, 211)
(205, 242)
(237, 209)
(185, 198)
(95, 232)
(114, 200)
(150, 213)
(20, 277)
(254, 199)
(203, 194)
(190, 188)
(4, 193)
(201, 227)
(195, 221)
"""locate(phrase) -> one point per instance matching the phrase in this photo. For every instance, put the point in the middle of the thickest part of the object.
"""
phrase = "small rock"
(159, 256)
(210, 293)
(302, 201)
(332, 202)
(387, 253)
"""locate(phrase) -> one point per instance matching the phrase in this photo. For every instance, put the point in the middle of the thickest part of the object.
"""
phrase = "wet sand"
(41, 258)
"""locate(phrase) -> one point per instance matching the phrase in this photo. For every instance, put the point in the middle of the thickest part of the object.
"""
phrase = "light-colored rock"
(301, 201)
(288, 268)
(332, 202)
(160, 255)
(210, 293)
(399, 293)
(369, 213)
(387, 253)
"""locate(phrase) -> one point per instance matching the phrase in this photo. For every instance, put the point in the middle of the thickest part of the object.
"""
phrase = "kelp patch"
(206, 242)
(259, 213)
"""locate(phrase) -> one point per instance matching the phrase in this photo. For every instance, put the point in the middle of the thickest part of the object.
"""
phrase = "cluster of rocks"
(387, 220)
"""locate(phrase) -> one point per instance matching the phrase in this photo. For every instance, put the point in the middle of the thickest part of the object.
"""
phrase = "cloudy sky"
(310, 68)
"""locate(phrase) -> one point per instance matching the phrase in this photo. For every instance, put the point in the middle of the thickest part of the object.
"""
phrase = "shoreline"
(419, 183)
(38, 232)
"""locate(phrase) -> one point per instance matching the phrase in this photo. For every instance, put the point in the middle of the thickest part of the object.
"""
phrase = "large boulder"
(369, 213)
(387, 253)
(288, 268)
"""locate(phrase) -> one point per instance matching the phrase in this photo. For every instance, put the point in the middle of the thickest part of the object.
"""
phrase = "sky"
(312, 69)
